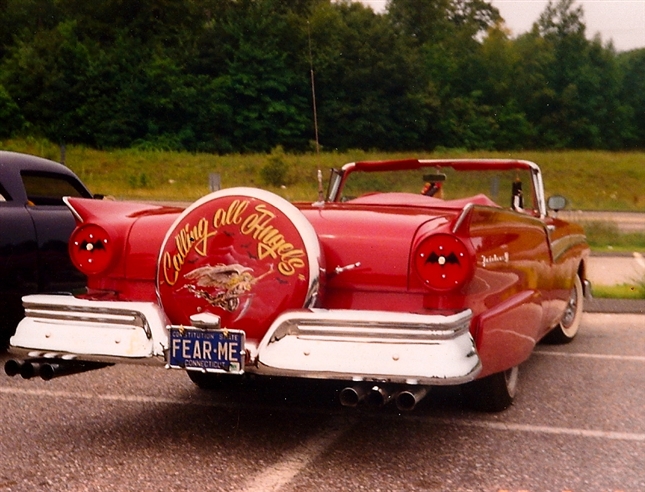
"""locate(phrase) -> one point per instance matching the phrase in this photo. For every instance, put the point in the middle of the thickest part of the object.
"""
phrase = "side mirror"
(557, 203)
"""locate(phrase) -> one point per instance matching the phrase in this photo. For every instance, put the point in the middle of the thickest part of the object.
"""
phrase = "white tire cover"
(244, 254)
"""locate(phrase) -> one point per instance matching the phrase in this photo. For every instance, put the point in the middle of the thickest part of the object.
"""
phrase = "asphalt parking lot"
(578, 424)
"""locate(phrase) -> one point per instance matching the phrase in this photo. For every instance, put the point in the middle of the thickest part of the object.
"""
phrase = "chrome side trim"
(462, 217)
(76, 215)
(370, 325)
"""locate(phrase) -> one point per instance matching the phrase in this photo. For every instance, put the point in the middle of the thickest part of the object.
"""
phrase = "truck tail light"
(90, 249)
(443, 262)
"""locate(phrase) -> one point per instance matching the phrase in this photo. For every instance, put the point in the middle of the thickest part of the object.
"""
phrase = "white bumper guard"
(311, 343)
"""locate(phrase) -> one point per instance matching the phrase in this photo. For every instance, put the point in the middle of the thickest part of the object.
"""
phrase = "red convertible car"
(408, 274)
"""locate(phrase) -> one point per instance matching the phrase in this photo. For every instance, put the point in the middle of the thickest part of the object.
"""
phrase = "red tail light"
(90, 249)
(443, 262)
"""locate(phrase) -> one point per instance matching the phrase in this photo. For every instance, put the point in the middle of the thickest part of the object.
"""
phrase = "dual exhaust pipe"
(48, 369)
(380, 395)
(406, 399)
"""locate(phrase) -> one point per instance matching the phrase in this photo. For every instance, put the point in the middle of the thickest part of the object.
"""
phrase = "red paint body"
(521, 266)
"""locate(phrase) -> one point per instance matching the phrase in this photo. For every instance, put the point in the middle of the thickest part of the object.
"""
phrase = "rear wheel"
(567, 329)
(493, 393)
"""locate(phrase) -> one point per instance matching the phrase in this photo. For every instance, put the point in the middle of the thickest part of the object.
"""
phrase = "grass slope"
(589, 180)
(612, 181)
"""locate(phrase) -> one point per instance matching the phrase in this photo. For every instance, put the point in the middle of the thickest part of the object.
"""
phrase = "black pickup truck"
(35, 226)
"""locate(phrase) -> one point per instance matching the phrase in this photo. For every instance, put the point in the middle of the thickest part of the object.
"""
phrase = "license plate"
(207, 350)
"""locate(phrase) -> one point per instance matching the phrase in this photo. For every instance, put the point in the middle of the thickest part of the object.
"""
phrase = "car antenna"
(321, 197)
(313, 89)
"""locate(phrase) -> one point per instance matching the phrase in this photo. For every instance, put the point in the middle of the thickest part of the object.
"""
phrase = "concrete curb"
(615, 306)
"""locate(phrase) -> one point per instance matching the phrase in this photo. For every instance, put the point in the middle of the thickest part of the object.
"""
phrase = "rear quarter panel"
(142, 253)
(513, 279)
(136, 231)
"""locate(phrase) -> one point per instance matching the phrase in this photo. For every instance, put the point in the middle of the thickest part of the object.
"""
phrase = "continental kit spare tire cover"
(243, 254)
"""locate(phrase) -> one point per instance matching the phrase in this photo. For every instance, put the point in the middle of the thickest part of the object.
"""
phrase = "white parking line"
(281, 473)
(622, 358)
(294, 461)
(93, 396)
(270, 479)
(543, 429)
(639, 259)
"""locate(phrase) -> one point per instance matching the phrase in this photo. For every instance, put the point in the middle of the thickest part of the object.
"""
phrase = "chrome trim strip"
(127, 318)
(76, 215)
(462, 217)
(350, 324)
(95, 330)
(371, 346)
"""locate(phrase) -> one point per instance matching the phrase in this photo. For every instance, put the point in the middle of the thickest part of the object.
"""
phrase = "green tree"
(11, 119)
(500, 63)
(421, 20)
(434, 21)
(21, 19)
(265, 81)
(632, 94)
(167, 24)
(45, 77)
(447, 34)
(234, 75)
(569, 84)
(370, 91)
(114, 110)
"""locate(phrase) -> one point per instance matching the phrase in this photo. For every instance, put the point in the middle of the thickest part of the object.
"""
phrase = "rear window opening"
(4, 196)
(49, 188)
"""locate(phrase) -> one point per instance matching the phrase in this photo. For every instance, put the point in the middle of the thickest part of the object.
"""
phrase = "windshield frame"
(340, 176)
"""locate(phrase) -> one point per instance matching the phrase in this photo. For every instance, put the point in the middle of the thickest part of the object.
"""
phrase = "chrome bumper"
(313, 343)
(587, 289)
(371, 346)
(105, 331)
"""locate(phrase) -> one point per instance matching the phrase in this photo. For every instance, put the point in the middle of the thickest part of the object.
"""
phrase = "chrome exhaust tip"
(48, 370)
(379, 396)
(352, 396)
(408, 398)
(30, 369)
(12, 367)
(26, 368)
